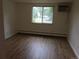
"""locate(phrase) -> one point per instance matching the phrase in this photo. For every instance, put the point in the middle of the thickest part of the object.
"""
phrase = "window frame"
(42, 13)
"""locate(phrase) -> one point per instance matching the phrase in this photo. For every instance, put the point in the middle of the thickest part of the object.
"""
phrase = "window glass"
(42, 15)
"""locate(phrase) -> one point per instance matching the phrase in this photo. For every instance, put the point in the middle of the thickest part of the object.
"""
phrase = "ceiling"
(42, 1)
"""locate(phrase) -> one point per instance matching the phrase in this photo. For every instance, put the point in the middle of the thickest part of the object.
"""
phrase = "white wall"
(24, 20)
(2, 44)
(74, 30)
(9, 18)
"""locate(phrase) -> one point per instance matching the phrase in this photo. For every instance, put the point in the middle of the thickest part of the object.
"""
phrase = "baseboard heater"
(43, 33)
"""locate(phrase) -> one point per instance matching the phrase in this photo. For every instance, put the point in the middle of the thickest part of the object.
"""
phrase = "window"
(42, 15)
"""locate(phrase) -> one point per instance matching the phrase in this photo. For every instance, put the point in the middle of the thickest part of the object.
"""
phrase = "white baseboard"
(7, 37)
(43, 33)
(74, 49)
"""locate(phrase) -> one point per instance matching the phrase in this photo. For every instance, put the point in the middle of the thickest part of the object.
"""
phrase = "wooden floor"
(38, 47)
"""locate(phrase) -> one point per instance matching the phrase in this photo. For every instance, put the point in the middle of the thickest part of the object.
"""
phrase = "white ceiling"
(42, 1)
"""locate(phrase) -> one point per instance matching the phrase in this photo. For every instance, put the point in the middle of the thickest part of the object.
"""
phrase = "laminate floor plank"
(23, 46)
